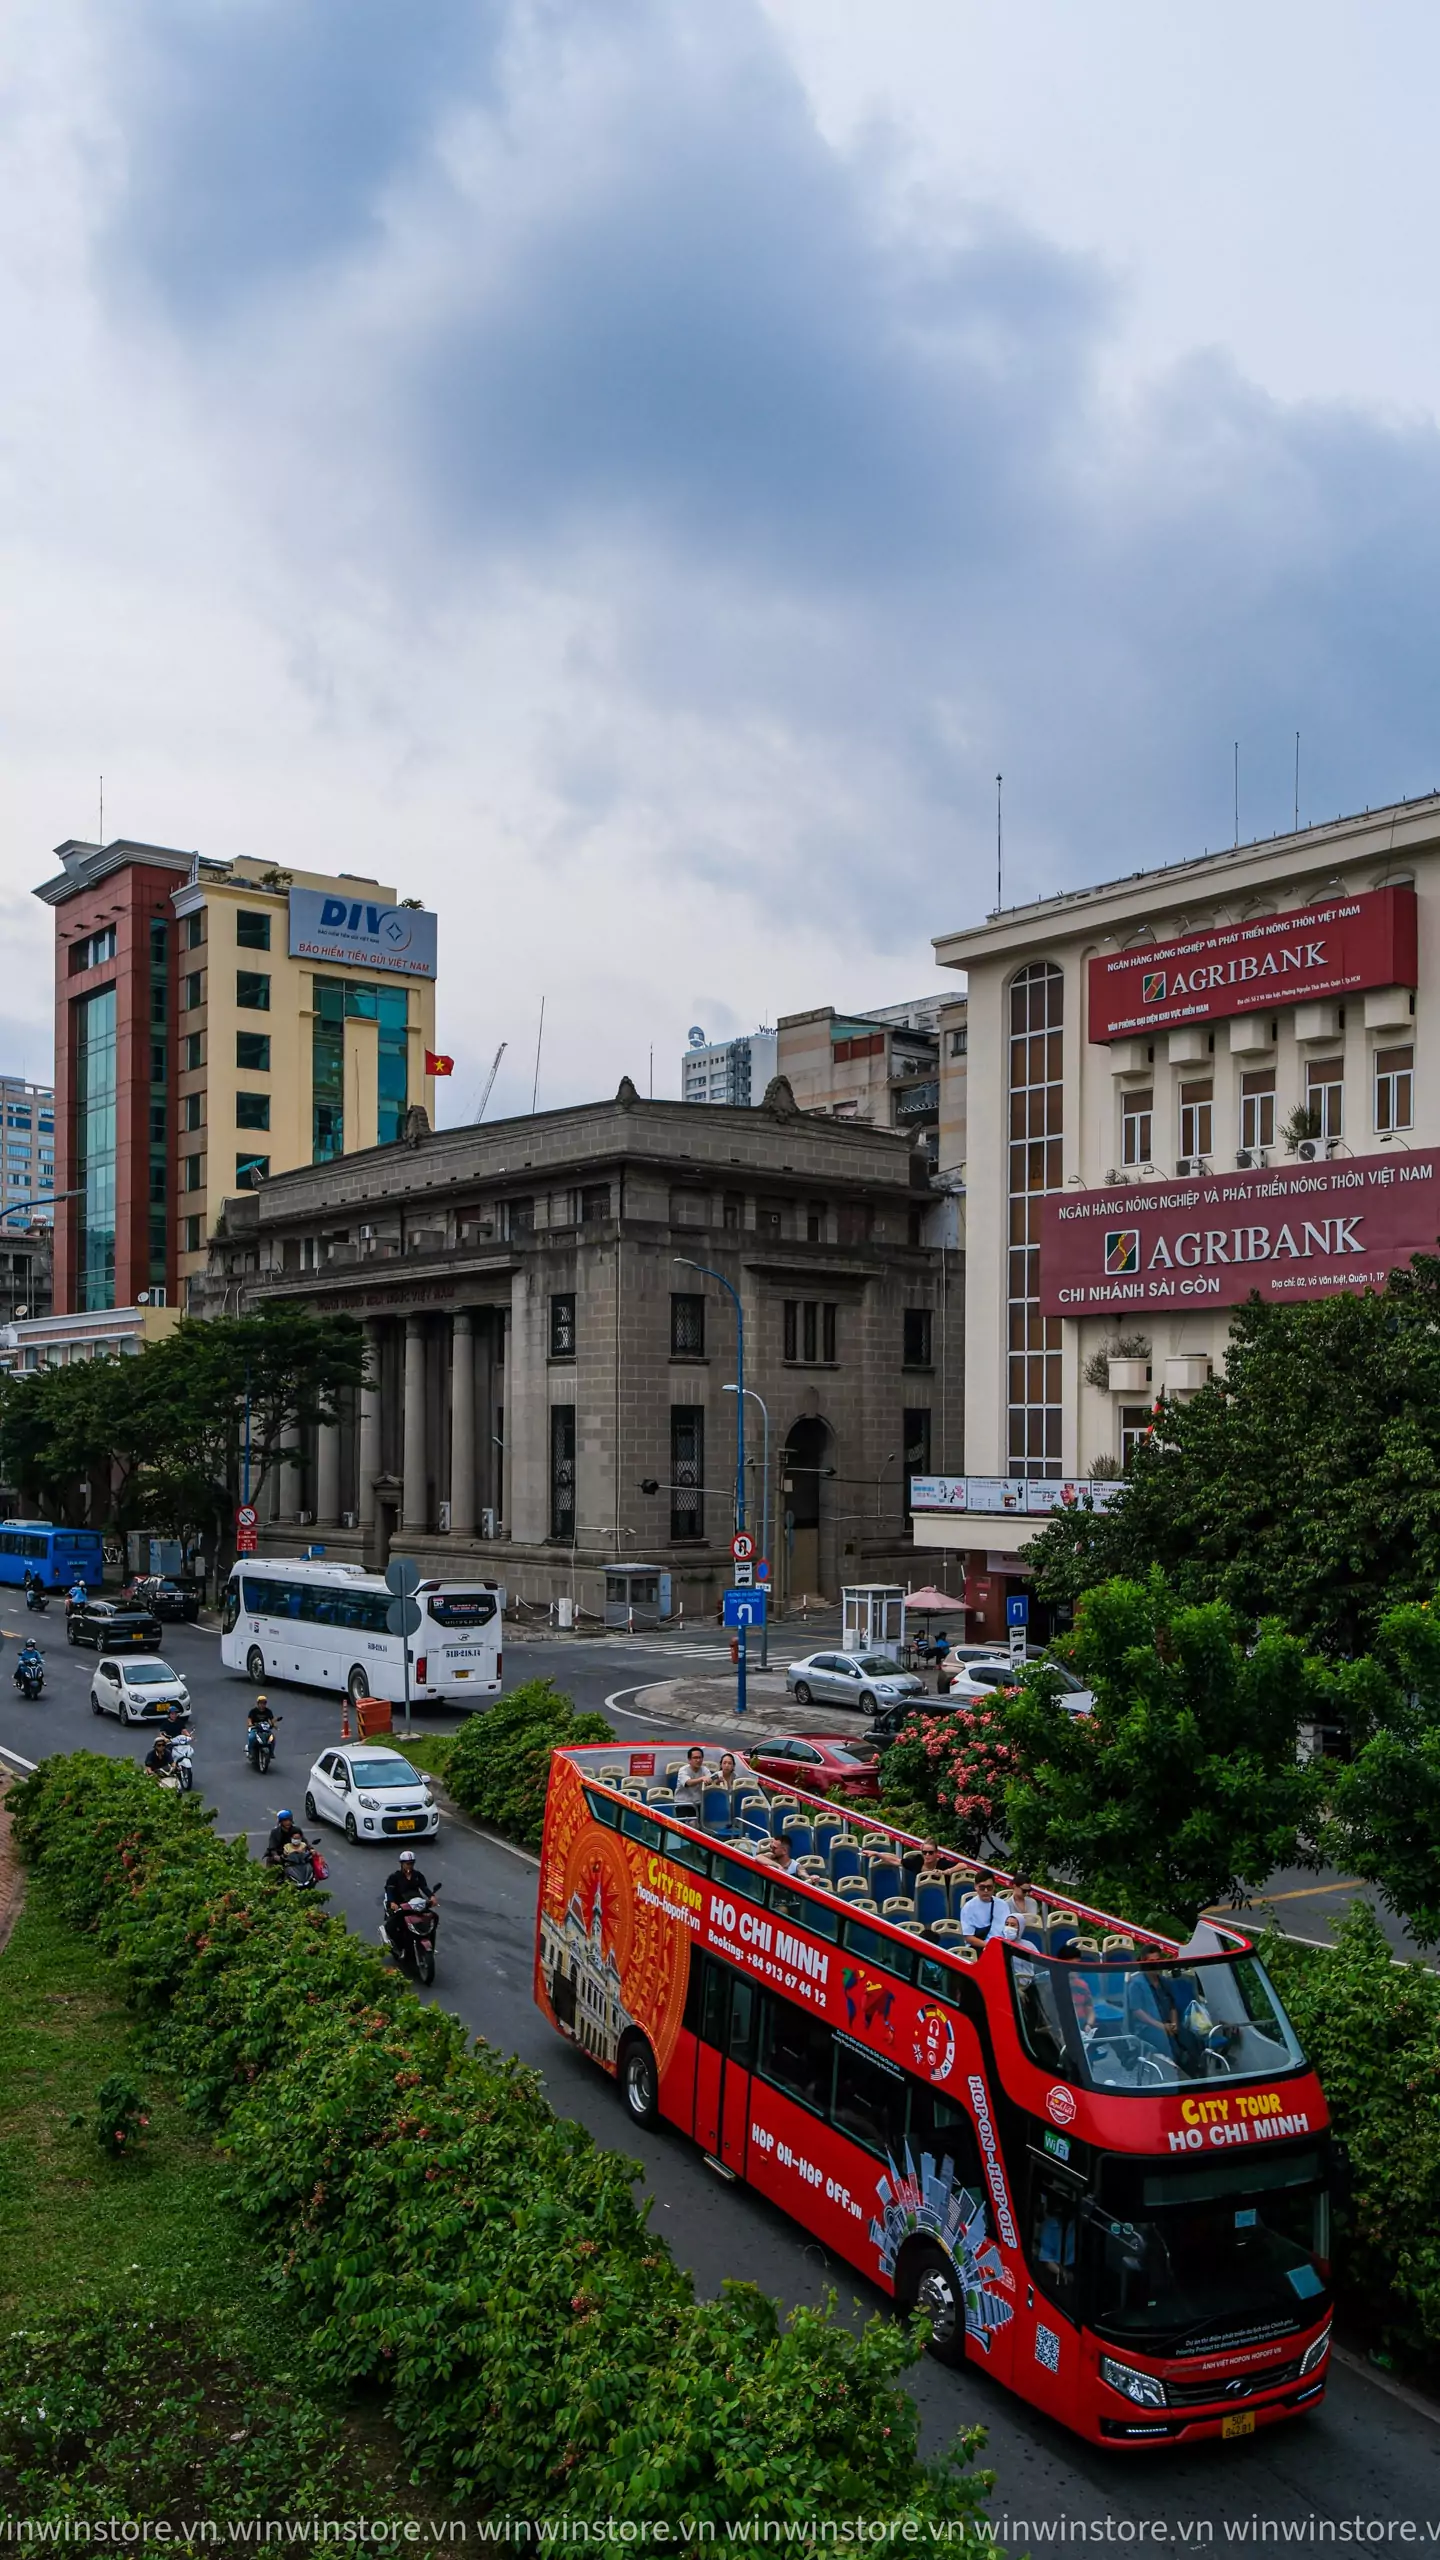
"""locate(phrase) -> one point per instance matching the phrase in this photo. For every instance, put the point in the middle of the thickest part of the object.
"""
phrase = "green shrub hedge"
(441, 2233)
(1372, 2029)
(498, 1766)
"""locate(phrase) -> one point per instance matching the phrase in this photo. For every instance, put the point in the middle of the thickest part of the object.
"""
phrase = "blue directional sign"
(1017, 1610)
(744, 1608)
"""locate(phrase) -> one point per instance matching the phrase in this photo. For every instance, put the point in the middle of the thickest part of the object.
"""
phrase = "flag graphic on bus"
(1122, 1252)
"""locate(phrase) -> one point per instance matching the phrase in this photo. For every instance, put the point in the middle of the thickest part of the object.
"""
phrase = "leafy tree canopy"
(1304, 1485)
(1385, 1801)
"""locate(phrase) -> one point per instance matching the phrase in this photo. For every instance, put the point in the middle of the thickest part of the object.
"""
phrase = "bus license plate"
(1240, 2423)
(461, 1675)
(406, 1822)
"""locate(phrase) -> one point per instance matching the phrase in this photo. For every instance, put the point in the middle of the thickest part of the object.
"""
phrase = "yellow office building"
(305, 1012)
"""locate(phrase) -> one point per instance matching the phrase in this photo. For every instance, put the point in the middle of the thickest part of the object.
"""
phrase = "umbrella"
(931, 1603)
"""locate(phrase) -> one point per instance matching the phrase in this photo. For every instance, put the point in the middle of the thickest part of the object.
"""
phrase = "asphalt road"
(1360, 2468)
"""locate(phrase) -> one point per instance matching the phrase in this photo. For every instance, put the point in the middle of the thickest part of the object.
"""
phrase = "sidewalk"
(709, 1705)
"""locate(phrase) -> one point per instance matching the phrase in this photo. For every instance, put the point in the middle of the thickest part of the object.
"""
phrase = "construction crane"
(479, 1112)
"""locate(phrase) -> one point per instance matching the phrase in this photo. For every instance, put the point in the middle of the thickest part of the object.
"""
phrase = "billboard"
(361, 933)
(1295, 1232)
(1331, 949)
(1032, 1495)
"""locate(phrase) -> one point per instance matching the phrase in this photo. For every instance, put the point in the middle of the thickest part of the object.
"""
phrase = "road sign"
(246, 1515)
(744, 1574)
(744, 1608)
(1017, 1609)
(247, 1542)
(402, 1617)
(762, 1568)
(742, 1546)
(402, 1577)
(1017, 1644)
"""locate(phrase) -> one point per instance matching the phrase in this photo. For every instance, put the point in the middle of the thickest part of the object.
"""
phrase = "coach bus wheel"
(357, 1686)
(255, 1664)
(930, 2284)
(639, 2082)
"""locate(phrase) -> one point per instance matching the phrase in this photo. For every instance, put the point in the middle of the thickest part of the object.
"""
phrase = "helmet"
(407, 1853)
(262, 1700)
(284, 1814)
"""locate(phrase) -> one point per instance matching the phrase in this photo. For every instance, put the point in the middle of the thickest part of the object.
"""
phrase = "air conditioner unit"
(306, 1519)
(1315, 1150)
(1251, 1159)
(349, 1520)
(444, 1519)
(1190, 1164)
(487, 1523)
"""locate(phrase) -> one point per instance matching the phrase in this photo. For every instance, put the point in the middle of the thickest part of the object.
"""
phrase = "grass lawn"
(73, 2222)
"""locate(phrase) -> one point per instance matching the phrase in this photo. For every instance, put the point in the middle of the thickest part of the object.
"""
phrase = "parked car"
(370, 1793)
(177, 1601)
(137, 1692)
(864, 1680)
(821, 1763)
(112, 1629)
(977, 1677)
(975, 1682)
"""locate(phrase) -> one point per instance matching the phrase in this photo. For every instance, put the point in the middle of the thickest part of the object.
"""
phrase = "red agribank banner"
(1330, 949)
(1292, 1233)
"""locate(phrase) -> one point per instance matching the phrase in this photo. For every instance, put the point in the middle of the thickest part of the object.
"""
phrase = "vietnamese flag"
(438, 1066)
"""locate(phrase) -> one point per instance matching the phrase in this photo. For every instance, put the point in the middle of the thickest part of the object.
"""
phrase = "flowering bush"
(957, 1766)
(120, 2118)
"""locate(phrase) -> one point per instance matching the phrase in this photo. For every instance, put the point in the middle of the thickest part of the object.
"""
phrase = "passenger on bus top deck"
(1014, 1931)
(729, 1774)
(694, 1777)
(778, 1853)
(932, 1863)
(983, 1910)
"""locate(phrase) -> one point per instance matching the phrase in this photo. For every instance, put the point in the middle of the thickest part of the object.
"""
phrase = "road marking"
(613, 1706)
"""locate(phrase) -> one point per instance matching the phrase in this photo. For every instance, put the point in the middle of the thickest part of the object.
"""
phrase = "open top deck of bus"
(645, 1773)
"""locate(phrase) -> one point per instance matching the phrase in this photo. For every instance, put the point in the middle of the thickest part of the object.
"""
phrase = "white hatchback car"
(139, 1690)
(371, 1794)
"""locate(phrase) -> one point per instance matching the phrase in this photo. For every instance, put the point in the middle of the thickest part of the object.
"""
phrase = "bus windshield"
(1210, 2255)
(1117, 2023)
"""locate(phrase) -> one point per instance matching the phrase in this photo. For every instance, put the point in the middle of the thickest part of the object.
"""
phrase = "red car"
(818, 1762)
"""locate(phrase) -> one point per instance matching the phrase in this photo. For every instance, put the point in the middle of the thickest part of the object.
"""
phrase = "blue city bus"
(56, 1557)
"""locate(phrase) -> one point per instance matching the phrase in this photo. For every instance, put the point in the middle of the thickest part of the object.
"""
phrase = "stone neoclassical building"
(551, 1370)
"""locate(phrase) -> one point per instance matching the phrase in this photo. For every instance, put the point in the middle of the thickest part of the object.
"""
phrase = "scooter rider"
(260, 1719)
(286, 1829)
(401, 1886)
(159, 1759)
(29, 1663)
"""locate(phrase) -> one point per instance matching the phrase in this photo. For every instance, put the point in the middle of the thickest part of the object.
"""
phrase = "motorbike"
(299, 1864)
(260, 1744)
(182, 1755)
(411, 1936)
(37, 1597)
(29, 1676)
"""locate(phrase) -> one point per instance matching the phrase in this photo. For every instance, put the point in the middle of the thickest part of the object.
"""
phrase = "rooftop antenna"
(539, 1036)
(1237, 791)
(999, 841)
(1297, 782)
(102, 808)
(652, 1070)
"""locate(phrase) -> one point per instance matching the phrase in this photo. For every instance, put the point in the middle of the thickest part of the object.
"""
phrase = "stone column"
(327, 1475)
(369, 1465)
(415, 1510)
(462, 1426)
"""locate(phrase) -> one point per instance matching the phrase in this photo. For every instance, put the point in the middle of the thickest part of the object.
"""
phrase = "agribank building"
(1202, 1081)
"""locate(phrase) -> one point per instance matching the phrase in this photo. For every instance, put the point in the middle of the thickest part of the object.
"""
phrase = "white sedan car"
(371, 1794)
(139, 1690)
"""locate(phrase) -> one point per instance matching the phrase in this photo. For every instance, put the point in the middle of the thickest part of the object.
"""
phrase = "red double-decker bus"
(1098, 2160)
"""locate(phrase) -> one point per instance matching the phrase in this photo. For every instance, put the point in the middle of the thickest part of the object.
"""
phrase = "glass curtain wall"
(1037, 1106)
(95, 1101)
(338, 1000)
(159, 1203)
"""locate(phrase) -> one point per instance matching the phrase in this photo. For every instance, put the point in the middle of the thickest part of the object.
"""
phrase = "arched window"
(1037, 1106)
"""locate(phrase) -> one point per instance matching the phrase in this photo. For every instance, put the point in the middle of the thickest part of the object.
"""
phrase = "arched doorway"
(805, 1467)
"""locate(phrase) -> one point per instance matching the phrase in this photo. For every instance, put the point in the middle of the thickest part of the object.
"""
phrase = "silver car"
(137, 1692)
(865, 1680)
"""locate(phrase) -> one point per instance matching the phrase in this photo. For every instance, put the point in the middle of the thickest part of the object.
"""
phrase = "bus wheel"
(357, 1686)
(639, 2082)
(930, 2284)
(255, 1664)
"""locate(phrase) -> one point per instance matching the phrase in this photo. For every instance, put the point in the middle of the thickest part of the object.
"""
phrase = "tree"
(1303, 1485)
(1184, 1781)
(1385, 1803)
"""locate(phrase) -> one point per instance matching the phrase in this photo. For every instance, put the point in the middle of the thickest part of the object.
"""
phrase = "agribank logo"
(361, 932)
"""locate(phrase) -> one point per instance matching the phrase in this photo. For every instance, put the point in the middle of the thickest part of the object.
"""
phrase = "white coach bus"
(323, 1625)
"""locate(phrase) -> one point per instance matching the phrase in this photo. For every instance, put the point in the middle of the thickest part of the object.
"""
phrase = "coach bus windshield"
(1210, 2254)
(1117, 2023)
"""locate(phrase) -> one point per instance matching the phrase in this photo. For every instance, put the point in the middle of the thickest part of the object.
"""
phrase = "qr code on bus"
(1047, 2347)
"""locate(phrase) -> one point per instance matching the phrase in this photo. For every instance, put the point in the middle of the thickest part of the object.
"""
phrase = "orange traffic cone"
(345, 1719)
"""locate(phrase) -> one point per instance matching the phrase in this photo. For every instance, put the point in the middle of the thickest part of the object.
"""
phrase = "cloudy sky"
(632, 471)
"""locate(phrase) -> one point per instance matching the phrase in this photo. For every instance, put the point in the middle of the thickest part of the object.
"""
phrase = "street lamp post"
(686, 1262)
(756, 1398)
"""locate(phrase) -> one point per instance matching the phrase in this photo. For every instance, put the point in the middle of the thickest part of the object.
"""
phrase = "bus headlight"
(1316, 2353)
(1145, 2389)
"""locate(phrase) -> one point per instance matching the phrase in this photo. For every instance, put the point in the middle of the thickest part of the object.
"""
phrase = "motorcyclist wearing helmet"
(260, 1719)
(29, 1657)
(280, 1838)
(177, 1720)
(401, 1886)
(159, 1759)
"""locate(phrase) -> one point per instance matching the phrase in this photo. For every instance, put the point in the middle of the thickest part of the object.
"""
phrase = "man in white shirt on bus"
(983, 1911)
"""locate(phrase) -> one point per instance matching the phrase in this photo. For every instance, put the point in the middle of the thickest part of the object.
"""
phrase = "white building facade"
(28, 1112)
(1182, 1087)
(733, 1071)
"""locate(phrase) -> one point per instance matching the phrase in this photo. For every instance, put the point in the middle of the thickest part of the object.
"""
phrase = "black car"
(177, 1601)
(118, 1629)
